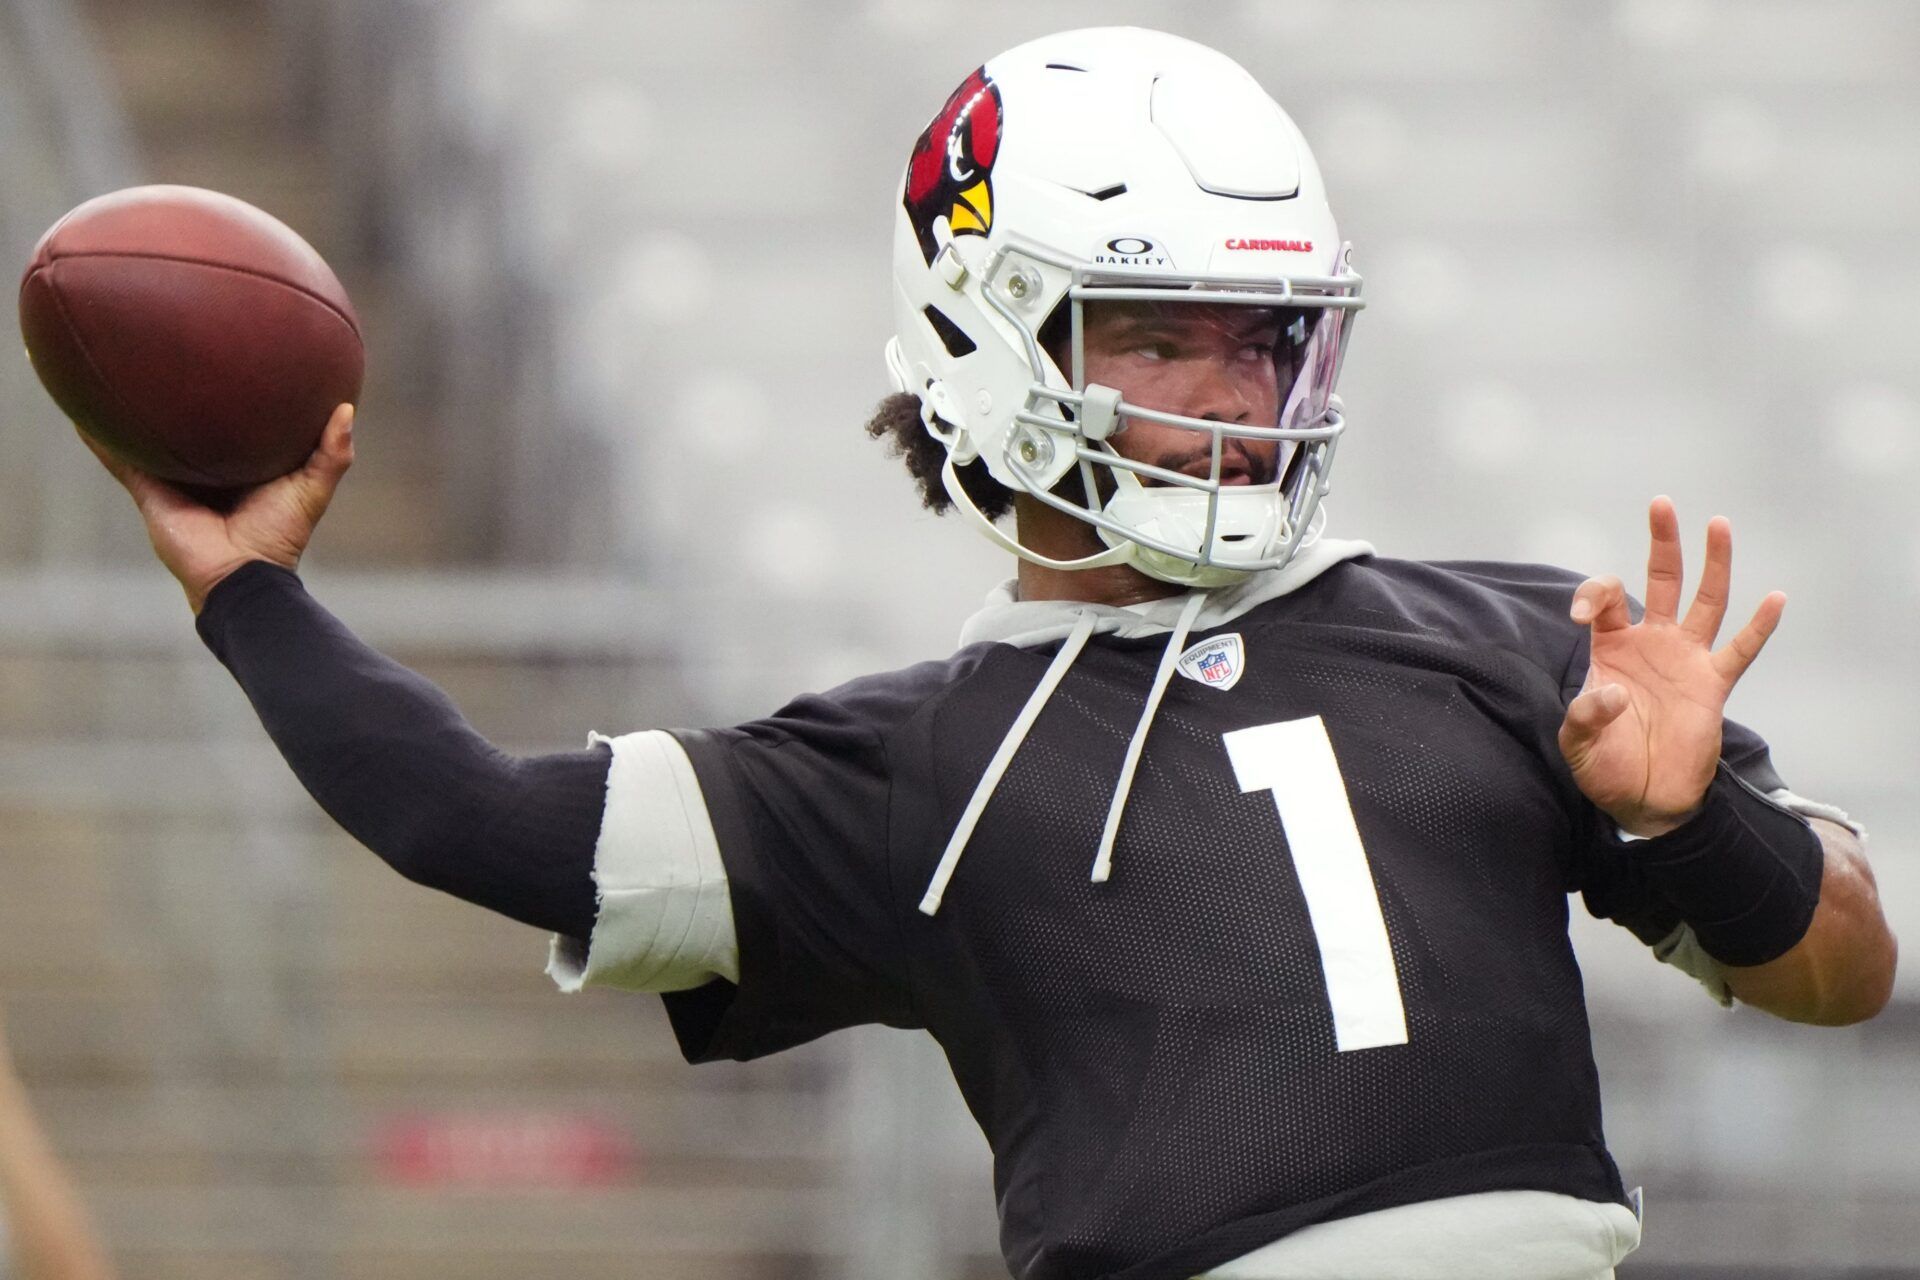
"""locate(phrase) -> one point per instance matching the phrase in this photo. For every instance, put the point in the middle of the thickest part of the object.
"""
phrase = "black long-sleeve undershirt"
(391, 759)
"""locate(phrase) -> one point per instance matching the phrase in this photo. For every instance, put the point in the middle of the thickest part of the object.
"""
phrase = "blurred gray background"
(623, 264)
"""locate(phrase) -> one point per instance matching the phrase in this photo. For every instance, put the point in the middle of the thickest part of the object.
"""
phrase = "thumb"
(321, 473)
(334, 454)
(1588, 715)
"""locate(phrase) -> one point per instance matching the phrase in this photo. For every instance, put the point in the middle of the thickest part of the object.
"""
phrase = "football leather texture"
(191, 334)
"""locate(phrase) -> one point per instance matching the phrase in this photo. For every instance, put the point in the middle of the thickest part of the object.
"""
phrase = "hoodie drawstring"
(997, 767)
(1176, 641)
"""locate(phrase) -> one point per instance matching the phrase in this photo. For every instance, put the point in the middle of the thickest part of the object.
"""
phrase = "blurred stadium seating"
(623, 268)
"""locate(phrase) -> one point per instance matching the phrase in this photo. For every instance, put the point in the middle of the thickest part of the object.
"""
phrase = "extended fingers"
(1733, 658)
(1663, 561)
(1709, 608)
(151, 495)
(117, 469)
(1602, 602)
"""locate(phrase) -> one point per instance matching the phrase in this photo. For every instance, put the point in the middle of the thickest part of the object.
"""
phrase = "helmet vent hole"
(1061, 66)
(1108, 193)
(951, 337)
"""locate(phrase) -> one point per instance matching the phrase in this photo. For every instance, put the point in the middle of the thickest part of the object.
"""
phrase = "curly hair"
(897, 422)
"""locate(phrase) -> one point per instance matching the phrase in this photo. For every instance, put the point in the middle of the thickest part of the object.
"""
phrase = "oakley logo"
(1272, 246)
(1131, 251)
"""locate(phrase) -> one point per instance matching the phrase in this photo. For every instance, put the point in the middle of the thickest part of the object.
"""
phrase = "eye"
(1157, 349)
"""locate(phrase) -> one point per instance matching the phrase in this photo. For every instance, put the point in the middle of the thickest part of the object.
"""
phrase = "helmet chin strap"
(1156, 565)
(950, 479)
(1184, 573)
(1164, 566)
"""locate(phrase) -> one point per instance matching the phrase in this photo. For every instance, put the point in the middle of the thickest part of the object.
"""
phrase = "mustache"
(1258, 469)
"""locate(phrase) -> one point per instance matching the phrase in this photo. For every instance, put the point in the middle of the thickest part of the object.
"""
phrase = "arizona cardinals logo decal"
(951, 174)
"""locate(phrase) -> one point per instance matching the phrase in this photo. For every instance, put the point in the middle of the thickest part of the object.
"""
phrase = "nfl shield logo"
(1217, 662)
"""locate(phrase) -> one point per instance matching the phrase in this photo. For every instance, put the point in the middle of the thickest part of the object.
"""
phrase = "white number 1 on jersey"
(1294, 760)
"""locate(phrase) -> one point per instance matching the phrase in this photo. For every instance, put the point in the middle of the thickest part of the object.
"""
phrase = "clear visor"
(1203, 394)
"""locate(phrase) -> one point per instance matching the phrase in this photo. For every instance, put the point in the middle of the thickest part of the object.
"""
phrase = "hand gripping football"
(191, 334)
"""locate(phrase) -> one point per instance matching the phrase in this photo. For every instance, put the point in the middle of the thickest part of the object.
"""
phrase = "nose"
(1214, 394)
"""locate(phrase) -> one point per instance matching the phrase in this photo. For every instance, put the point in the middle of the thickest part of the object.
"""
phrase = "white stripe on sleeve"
(665, 921)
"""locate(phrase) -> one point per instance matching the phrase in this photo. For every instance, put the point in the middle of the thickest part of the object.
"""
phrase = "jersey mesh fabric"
(1153, 1059)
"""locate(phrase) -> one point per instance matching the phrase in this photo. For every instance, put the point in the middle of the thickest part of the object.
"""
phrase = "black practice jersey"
(1193, 1059)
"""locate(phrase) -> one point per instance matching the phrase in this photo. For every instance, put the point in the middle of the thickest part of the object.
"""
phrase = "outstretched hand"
(1643, 736)
(200, 544)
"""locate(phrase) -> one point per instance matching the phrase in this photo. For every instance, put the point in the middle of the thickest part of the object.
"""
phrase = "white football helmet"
(1118, 165)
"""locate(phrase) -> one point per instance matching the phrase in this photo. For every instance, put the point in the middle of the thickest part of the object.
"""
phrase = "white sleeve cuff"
(1683, 951)
(665, 919)
(1814, 809)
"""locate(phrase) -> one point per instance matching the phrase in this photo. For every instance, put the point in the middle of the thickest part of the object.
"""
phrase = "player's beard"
(1259, 466)
(1256, 465)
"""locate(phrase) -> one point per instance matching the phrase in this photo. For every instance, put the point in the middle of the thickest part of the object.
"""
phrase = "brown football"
(191, 334)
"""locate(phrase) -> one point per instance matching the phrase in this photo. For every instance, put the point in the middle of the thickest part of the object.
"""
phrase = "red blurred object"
(503, 1150)
(190, 333)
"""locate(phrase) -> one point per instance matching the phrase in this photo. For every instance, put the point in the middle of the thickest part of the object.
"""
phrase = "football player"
(1228, 862)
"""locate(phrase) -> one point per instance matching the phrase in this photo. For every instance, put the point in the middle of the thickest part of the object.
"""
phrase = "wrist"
(203, 584)
(1742, 872)
(1643, 826)
(232, 598)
